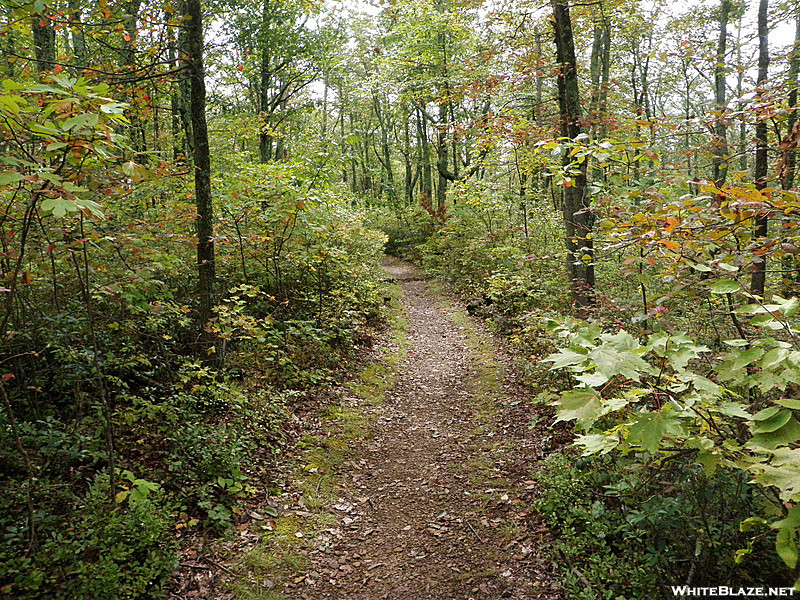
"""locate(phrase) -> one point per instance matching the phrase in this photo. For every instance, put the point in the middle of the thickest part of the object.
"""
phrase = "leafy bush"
(97, 550)
(696, 427)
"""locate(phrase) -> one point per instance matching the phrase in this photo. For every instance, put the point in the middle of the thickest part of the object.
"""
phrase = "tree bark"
(202, 162)
(578, 220)
(794, 72)
(720, 161)
(425, 150)
(265, 138)
(78, 37)
(758, 280)
(44, 42)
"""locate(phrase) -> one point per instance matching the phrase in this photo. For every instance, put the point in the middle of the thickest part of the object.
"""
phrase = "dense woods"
(196, 197)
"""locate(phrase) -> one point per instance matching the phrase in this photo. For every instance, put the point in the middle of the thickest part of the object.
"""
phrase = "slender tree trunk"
(739, 93)
(600, 70)
(758, 281)
(794, 72)
(44, 42)
(78, 37)
(386, 160)
(409, 176)
(183, 91)
(577, 218)
(265, 138)
(441, 157)
(202, 162)
(422, 135)
(790, 261)
(537, 109)
(720, 161)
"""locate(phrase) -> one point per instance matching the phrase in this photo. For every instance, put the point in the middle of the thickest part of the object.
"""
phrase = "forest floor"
(420, 485)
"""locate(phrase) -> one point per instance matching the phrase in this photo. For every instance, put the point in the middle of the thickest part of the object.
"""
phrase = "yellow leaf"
(671, 244)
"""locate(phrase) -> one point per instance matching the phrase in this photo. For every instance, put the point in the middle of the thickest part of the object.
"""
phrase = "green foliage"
(93, 550)
(102, 335)
(631, 533)
(657, 403)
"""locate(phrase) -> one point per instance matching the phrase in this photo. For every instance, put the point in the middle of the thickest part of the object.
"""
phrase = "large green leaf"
(786, 546)
(650, 428)
(566, 358)
(596, 443)
(59, 207)
(773, 423)
(582, 405)
(781, 472)
(725, 286)
(619, 359)
(9, 177)
(767, 442)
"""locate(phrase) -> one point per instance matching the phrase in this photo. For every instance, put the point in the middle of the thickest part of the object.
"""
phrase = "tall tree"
(44, 41)
(202, 160)
(578, 219)
(720, 144)
(758, 280)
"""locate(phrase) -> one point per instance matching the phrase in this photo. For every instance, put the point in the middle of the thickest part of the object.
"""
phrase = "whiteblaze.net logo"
(724, 591)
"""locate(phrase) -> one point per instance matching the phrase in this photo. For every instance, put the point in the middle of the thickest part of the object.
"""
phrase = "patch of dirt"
(438, 504)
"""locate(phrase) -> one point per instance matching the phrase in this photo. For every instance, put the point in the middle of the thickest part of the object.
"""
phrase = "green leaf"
(781, 472)
(592, 379)
(773, 423)
(92, 207)
(792, 519)
(650, 428)
(734, 409)
(592, 444)
(701, 267)
(9, 177)
(59, 207)
(747, 357)
(766, 413)
(86, 120)
(774, 357)
(566, 358)
(614, 358)
(751, 523)
(767, 442)
(113, 108)
(786, 546)
(789, 403)
(582, 405)
(709, 460)
(724, 286)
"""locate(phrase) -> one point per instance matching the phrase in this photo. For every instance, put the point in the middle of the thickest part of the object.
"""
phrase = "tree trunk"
(44, 42)
(78, 37)
(577, 218)
(422, 135)
(758, 281)
(183, 91)
(202, 162)
(794, 72)
(720, 145)
(385, 156)
(265, 138)
(790, 262)
(441, 157)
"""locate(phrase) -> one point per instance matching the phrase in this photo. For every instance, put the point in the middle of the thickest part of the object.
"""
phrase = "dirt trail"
(438, 504)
